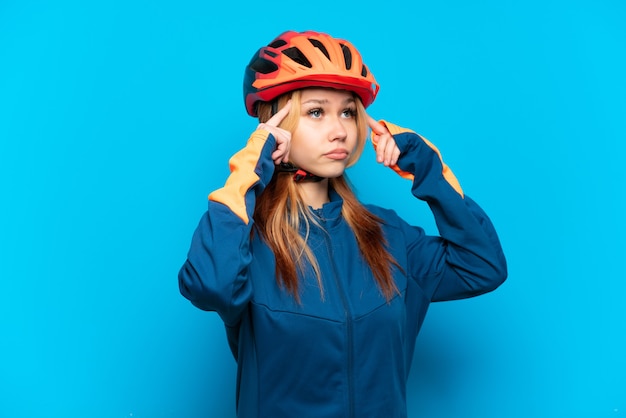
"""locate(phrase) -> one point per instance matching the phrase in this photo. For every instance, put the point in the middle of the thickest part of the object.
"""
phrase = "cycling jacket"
(348, 353)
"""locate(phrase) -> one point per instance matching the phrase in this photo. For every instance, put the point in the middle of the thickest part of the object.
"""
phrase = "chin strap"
(298, 173)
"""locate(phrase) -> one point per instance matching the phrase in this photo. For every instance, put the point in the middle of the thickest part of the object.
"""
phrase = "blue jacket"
(349, 354)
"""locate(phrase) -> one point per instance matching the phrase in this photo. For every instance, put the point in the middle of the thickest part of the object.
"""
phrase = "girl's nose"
(338, 131)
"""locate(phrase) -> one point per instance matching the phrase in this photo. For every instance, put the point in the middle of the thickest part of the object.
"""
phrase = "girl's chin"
(328, 172)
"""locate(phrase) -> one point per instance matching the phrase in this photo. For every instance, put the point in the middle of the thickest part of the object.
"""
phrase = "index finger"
(280, 115)
(377, 127)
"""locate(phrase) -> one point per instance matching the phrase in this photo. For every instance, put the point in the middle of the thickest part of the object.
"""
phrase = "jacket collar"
(330, 213)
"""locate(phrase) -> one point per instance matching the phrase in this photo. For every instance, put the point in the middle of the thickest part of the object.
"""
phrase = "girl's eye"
(349, 113)
(316, 113)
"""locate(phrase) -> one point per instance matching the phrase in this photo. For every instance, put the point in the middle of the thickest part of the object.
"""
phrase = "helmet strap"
(299, 175)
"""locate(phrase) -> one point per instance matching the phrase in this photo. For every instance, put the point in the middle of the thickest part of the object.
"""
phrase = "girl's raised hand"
(387, 152)
(282, 136)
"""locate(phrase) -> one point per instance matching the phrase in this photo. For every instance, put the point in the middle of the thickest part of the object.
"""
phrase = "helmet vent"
(317, 44)
(277, 43)
(297, 55)
(347, 56)
(263, 66)
(364, 71)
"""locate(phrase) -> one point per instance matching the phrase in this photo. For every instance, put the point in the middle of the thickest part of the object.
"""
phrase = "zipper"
(346, 311)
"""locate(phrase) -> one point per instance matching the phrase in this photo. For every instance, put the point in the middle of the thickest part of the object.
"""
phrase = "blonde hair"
(280, 213)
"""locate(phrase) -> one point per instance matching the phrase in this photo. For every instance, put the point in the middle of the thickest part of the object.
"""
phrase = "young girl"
(323, 296)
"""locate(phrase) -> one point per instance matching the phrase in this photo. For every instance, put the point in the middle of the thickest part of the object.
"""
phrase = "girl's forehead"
(325, 94)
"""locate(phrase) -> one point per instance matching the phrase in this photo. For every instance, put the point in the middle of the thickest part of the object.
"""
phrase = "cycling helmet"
(296, 60)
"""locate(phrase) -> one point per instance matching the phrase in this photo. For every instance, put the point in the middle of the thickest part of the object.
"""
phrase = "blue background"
(117, 118)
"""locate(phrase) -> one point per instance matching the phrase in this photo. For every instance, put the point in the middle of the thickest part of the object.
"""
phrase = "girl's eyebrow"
(315, 101)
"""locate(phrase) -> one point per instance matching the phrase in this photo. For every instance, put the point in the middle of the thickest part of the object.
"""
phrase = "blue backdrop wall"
(117, 118)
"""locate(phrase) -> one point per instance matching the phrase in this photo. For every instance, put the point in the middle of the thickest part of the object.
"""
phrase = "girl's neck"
(314, 193)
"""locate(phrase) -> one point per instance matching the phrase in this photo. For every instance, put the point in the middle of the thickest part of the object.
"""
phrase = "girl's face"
(326, 134)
